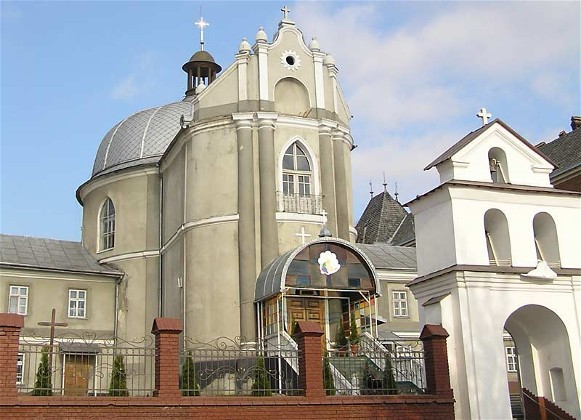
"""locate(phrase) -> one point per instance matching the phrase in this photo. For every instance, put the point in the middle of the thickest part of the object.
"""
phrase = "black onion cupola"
(201, 68)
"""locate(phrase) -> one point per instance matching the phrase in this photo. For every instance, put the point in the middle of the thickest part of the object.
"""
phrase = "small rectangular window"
(77, 303)
(288, 184)
(18, 300)
(400, 303)
(304, 185)
(511, 359)
(20, 368)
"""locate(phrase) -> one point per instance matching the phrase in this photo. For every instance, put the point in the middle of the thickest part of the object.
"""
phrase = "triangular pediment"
(495, 144)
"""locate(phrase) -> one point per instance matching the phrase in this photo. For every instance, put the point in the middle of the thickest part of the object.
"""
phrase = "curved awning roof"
(271, 280)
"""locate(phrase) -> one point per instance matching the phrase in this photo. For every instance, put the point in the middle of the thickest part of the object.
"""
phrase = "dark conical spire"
(380, 220)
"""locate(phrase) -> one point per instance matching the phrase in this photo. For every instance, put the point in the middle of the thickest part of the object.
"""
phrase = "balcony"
(299, 203)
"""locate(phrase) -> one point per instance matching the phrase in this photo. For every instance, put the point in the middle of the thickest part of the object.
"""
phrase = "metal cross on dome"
(484, 115)
(201, 24)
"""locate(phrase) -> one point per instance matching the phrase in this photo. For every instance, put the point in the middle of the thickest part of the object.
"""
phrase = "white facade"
(478, 237)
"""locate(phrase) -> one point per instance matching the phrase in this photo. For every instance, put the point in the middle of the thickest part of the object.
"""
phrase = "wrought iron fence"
(380, 372)
(299, 203)
(86, 365)
(225, 367)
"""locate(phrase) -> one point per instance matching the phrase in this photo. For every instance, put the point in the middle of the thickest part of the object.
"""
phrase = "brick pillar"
(436, 360)
(308, 337)
(10, 325)
(167, 375)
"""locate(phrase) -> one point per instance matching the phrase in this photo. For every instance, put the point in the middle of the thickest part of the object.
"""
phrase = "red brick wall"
(170, 404)
(10, 325)
(396, 407)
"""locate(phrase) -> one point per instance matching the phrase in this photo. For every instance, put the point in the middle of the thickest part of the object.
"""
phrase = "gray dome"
(140, 138)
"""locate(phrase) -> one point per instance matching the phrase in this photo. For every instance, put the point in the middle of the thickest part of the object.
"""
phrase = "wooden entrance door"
(305, 309)
(77, 368)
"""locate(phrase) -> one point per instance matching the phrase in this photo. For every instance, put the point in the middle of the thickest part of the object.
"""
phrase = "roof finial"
(370, 189)
(285, 11)
(325, 232)
(484, 115)
(384, 183)
(396, 193)
(201, 24)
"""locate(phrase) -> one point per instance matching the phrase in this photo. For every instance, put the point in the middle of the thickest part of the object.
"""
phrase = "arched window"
(297, 182)
(497, 238)
(296, 172)
(107, 226)
(498, 165)
(546, 241)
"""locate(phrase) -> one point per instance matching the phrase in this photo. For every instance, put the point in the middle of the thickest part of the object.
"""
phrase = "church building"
(230, 209)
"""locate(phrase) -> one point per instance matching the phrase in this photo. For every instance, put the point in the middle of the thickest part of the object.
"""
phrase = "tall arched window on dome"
(107, 226)
(297, 180)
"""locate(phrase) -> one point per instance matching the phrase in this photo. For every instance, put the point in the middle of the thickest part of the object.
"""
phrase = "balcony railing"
(298, 203)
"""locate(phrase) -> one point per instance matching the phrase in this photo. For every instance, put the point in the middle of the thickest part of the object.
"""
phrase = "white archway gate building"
(498, 249)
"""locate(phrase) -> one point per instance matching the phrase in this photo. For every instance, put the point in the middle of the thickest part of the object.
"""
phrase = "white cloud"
(415, 84)
(126, 90)
(139, 81)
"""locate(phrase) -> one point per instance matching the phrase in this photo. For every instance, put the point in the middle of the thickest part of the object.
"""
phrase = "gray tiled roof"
(473, 135)
(50, 254)
(406, 233)
(380, 220)
(143, 135)
(384, 256)
(565, 151)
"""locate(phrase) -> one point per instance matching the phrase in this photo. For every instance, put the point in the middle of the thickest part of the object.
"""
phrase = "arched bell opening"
(327, 281)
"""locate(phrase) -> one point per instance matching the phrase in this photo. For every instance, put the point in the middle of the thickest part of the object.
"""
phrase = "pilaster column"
(10, 326)
(261, 51)
(167, 356)
(341, 193)
(246, 225)
(328, 177)
(242, 61)
(319, 79)
(266, 159)
(333, 75)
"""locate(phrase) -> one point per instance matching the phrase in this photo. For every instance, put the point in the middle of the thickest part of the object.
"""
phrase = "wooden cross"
(484, 115)
(285, 11)
(52, 324)
(303, 235)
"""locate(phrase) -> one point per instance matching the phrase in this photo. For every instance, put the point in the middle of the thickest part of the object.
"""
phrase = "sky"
(414, 73)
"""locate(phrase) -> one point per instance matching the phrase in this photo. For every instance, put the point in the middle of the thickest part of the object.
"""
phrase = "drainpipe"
(160, 271)
(115, 318)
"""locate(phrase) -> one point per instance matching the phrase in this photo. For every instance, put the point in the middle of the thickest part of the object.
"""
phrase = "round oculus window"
(290, 60)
